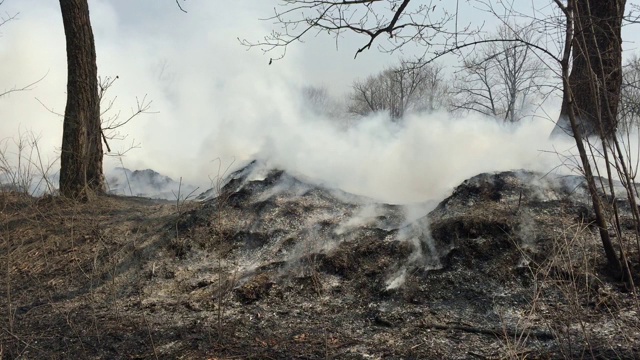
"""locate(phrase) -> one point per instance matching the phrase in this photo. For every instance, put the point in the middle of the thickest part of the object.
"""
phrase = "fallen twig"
(538, 334)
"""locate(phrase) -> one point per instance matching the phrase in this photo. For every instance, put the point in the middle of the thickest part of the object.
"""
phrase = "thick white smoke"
(215, 100)
(420, 160)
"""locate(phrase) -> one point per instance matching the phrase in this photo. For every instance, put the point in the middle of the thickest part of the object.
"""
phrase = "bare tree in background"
(399, 90)
(435, 89)
(629, 108)
(369, 95)
(502, 78)
(316, 98)
(320, 102)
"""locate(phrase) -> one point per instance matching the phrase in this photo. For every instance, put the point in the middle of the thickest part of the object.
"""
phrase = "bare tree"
(435, 90)
(81, 159)
(372, 95)
(596, 66)
(629, 108)
(501, 78)
(321, 102)
(85, 126)
(585, 100)
(398, 90)
(316, 98)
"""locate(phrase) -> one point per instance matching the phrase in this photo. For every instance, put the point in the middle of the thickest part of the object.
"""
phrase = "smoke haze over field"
(215, 100)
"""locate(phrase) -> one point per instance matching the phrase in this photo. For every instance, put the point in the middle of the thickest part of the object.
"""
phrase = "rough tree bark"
(576, 128)
(81, 159)
(596, 71)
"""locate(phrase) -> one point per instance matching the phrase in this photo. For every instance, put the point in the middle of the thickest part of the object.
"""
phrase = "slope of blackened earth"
(274, 267)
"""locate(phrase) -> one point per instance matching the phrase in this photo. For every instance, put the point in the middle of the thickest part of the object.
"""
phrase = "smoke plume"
(216, 103)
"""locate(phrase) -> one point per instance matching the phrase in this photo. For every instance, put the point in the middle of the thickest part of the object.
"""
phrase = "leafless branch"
(111, 123)
(23, 88)
(5, 19)
(49, 109)
(406, 22)
(180, 6)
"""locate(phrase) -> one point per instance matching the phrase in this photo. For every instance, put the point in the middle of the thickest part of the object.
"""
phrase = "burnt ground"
(509, 266)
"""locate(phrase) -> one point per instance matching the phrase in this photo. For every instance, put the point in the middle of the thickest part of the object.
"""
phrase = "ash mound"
(275, 222)
(146, 183)
(272, 216)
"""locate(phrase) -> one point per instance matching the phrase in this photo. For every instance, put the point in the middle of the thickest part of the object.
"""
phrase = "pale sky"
(214, 98)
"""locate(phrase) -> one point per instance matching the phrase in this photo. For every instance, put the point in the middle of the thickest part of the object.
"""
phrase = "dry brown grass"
(56, 252)
(577, 301)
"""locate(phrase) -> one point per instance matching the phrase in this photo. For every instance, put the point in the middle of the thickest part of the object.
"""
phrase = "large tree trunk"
(596, 72)
(81, 158)
(577, 130)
